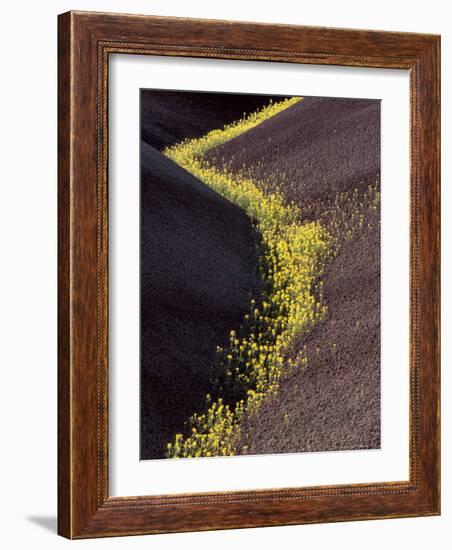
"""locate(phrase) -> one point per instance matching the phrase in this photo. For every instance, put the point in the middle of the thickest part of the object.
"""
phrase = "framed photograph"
(248, 275)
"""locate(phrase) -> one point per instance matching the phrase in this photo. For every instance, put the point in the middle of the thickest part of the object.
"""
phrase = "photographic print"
(223, 303)
(259, 274)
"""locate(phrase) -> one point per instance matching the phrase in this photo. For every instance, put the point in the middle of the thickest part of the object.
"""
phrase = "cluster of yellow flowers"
(212, 434)
(291, 261)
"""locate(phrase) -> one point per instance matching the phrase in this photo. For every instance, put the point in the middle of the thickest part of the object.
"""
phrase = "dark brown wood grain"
(64, 295)
(85, 42)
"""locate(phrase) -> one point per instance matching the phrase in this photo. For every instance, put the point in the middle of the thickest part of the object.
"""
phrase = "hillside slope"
(198, 271)
(319, 147)
(320, 151)
(168, 117)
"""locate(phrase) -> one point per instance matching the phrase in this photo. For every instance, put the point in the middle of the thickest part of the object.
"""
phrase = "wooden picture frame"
(85, 42)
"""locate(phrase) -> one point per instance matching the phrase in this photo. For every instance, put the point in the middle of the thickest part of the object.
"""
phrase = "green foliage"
(291, 261)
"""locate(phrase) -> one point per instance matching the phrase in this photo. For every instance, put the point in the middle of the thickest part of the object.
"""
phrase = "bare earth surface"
(334, 402)
(324, 146)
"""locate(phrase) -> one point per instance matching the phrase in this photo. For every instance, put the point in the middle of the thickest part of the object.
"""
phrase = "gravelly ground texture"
(319, 146)
(324, 147)
(198, 269)
(334, 402)
(198, 273)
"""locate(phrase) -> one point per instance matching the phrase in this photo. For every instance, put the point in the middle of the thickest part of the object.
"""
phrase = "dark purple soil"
(334, 402)
(169, 117)
(320, 146)
(324, 146)
(198, 273)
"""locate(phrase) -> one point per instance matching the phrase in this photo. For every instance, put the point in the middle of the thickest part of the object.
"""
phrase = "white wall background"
(28, 270)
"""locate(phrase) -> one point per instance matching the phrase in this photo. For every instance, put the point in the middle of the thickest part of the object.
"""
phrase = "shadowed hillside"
(169, 117)
(198, 270)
